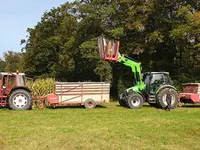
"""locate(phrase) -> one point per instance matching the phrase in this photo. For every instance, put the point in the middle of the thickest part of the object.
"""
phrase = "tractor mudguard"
(165, 86)
(21, 87)
(132, 90)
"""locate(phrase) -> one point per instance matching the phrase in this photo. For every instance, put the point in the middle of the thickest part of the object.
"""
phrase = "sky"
(18, 15)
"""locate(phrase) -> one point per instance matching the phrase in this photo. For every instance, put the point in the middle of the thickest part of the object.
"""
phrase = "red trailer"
(191, 93)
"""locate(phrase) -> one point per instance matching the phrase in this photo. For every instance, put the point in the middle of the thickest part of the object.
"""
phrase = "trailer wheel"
(90, 103)
(135, 100)
(20, 100)
(162, 95)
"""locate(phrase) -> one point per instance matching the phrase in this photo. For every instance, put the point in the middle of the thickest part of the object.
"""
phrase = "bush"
(41, 87)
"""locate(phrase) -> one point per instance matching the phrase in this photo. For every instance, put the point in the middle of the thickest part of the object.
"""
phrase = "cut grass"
(109, 127)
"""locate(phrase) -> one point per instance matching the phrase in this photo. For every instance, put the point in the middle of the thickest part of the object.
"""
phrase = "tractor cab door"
(155, 82)
(8, 81)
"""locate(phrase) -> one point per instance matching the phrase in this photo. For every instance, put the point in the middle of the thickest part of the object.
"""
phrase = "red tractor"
(13, 92)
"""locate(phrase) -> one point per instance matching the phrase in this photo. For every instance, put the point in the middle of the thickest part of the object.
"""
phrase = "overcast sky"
(18, 15)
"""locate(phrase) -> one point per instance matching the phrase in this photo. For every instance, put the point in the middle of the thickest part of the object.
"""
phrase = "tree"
(13, 61)
(49, 48)
(163, 35)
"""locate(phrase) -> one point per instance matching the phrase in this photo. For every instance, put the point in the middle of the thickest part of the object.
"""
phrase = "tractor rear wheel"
(162, 96)
(20, 99)
(135, 100)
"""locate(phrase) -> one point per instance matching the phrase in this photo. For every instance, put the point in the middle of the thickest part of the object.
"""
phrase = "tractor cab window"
(146, 80)
(156, 81)
(20, 80)
(11, 81)
(4, 81)
(168, 79)
(8, 81)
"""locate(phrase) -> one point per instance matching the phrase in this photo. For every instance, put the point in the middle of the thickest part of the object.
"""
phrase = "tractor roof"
(157, 73)
(9, 73)
(191, 84)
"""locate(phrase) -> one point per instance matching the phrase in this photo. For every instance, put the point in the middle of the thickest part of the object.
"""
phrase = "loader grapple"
(108, 49)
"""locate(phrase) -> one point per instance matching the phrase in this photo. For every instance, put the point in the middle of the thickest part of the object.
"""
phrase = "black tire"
(122, 103)
(20, 100)
(134, 100)
(121, 100)
(90, 103)
(161, 98)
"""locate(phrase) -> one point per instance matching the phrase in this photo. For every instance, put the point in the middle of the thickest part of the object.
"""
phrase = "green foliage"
(2, 65)
(41, 87)
(13, 61)
(50, 45)
(162, 35)
(104, 70)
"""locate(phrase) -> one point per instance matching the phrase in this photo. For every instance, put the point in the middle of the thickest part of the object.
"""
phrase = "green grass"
(112, 127)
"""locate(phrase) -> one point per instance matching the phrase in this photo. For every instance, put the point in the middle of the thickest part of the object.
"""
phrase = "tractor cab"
(11, 80)
(155, 80)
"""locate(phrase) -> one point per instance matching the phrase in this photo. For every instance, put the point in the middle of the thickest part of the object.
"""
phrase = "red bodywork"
(189, 98)
(108, 49)
(8, 82)
(52, 98)
(190, 93)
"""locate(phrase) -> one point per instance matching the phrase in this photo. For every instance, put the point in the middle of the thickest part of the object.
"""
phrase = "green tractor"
(151, 87)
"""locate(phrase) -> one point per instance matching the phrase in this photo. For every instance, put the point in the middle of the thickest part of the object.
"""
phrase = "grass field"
(108, 127)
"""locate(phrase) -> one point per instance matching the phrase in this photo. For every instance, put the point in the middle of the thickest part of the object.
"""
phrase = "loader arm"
(136, 70)
(109, 51)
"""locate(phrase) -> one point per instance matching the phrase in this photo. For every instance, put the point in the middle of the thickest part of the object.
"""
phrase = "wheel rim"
(90, 104)
(164, 99)
(135, 102)
(20, 100)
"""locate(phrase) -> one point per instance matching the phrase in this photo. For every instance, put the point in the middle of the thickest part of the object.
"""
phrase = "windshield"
(20, 80)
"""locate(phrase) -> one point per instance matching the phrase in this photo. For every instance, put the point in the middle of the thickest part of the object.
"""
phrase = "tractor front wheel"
(135, 100)
(20, 99)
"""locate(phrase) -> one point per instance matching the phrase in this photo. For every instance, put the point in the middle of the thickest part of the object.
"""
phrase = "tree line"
(163, 35)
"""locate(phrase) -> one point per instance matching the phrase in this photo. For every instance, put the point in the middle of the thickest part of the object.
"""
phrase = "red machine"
(191, 93)
(13, 92)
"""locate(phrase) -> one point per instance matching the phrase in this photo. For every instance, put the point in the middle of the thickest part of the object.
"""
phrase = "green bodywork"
(136, 69)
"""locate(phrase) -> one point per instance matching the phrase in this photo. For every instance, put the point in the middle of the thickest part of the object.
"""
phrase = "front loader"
(152, 87)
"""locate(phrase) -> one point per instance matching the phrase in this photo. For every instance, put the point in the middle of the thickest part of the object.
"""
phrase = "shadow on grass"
(145, 105)
(75, 107)
(191, 106)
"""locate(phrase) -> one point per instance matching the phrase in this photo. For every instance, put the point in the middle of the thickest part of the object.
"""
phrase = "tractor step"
(152, 99)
